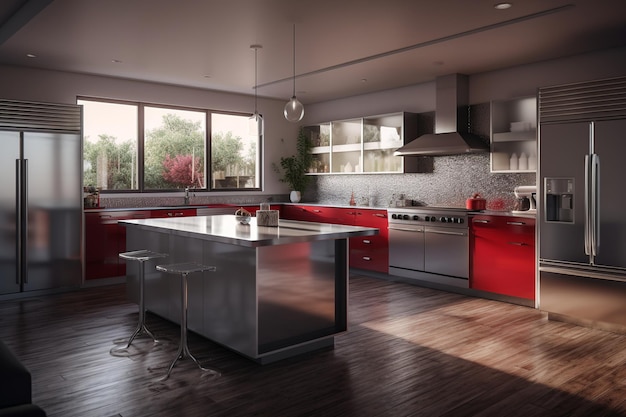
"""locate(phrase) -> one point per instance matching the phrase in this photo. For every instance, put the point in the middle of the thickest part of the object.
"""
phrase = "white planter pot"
(295, 196)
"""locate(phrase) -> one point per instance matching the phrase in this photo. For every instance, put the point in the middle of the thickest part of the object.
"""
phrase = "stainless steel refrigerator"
(40, 196)
(582, 189)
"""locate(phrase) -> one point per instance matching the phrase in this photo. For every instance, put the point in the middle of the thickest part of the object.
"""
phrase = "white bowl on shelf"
(520, 126)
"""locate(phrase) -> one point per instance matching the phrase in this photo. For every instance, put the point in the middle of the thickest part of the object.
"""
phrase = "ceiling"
(343, 47)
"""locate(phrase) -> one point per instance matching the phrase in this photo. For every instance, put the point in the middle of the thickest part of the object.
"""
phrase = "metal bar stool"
(184, 269)
(141, 256)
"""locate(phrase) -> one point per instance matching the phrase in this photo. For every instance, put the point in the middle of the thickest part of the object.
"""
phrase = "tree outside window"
(234, 153)
(174, 149)
(110, 145)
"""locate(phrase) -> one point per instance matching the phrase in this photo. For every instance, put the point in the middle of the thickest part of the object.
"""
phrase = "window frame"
(208, 186)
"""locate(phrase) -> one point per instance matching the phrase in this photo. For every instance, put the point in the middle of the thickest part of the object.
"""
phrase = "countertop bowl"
(243, 219)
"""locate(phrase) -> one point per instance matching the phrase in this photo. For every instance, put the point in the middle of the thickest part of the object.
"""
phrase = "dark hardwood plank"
(409, 351)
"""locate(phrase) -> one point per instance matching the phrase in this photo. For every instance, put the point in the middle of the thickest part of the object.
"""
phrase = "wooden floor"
(409, 351)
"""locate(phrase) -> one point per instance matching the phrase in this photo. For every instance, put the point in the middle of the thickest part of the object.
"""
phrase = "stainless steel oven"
(430, 244)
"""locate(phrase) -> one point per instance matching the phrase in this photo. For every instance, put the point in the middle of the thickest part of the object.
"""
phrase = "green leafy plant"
(295, 167)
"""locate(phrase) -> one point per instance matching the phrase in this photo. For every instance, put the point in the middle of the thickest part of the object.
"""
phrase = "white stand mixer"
(526, 199)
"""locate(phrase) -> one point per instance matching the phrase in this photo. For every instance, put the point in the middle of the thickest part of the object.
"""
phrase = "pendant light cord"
(255, 79)
(294, 60)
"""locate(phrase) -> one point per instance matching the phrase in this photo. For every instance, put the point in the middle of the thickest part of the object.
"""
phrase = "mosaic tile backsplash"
(453, 180)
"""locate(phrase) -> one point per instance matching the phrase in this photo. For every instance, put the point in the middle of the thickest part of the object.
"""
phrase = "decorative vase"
(295, 196)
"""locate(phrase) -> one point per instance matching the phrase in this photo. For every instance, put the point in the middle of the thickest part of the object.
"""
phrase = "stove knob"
(443, 219)
(459, 220)
(416, 217)
(405, 217)
(393, 216)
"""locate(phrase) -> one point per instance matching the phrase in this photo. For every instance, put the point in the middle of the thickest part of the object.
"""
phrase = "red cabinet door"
(99, 239)
(503, 255)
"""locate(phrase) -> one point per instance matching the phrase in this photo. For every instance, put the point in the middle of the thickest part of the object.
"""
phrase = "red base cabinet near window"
(366, 252)
(503, 255)
(105, 239)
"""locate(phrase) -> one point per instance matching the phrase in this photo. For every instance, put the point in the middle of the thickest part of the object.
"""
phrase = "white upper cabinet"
(362, 145)
(514, 135)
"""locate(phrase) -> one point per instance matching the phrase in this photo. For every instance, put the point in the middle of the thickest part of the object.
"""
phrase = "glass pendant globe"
(294, 110)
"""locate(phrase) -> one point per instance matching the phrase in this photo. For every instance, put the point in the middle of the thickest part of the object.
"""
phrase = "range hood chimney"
(451, 135)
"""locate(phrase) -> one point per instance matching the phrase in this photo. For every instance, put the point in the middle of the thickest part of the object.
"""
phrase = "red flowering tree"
(183, 170)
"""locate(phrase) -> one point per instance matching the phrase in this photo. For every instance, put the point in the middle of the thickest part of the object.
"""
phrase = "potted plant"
(295, 167)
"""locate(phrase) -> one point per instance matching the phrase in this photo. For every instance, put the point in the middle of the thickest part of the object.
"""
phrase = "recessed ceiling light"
(503, 6)
(31, 56)
(116, 61)
(206, 76)
(363, 80)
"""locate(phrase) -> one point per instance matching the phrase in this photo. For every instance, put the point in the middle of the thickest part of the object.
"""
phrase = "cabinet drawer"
(504, 229)
(373, 261)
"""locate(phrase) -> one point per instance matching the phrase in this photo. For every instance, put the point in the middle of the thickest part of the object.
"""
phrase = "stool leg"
(141, 326)
(183, 349)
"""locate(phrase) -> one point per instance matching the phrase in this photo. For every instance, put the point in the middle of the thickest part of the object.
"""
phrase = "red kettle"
(476, 202)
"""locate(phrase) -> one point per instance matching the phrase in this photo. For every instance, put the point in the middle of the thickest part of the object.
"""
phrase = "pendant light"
(294, 110)
(255, 122)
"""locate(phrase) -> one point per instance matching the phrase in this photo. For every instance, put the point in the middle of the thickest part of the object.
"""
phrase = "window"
(110, 145)
(174, 143)
(234, 153)
(143, 147)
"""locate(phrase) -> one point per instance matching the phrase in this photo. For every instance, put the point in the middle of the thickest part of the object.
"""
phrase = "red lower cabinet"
(166, 213)
(366, 252)
(503, 255)
(371, 252)
(104, 240)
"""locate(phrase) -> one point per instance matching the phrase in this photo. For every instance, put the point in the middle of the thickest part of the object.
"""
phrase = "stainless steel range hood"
(451, 135)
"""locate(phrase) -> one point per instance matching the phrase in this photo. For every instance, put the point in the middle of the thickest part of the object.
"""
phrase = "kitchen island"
(277, 292)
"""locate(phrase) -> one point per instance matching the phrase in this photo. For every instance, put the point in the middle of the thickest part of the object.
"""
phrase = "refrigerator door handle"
(24, 224)
(595, 208)
(587, 206)
(18, 220)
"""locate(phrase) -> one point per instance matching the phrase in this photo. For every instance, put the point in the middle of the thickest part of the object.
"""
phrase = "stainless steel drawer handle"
(367, 241)
(179, 214)
(518, 243)
(441, 232)
(367, 258)
(407, 230)
(317, 211)
(481, 221)
(516, 223)
(380, 215)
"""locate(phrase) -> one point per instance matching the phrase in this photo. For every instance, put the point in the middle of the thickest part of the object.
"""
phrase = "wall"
(17, 83)
(453, 179)
(458, 177)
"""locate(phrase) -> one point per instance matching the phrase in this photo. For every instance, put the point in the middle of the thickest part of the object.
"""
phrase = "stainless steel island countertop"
(226, 229)
(276, 291)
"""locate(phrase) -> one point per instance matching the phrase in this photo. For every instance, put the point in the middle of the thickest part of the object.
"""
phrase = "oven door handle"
(406, 229)
(441, 232)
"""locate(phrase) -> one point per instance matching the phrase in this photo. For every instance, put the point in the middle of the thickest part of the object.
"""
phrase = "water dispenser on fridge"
(559, 199)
